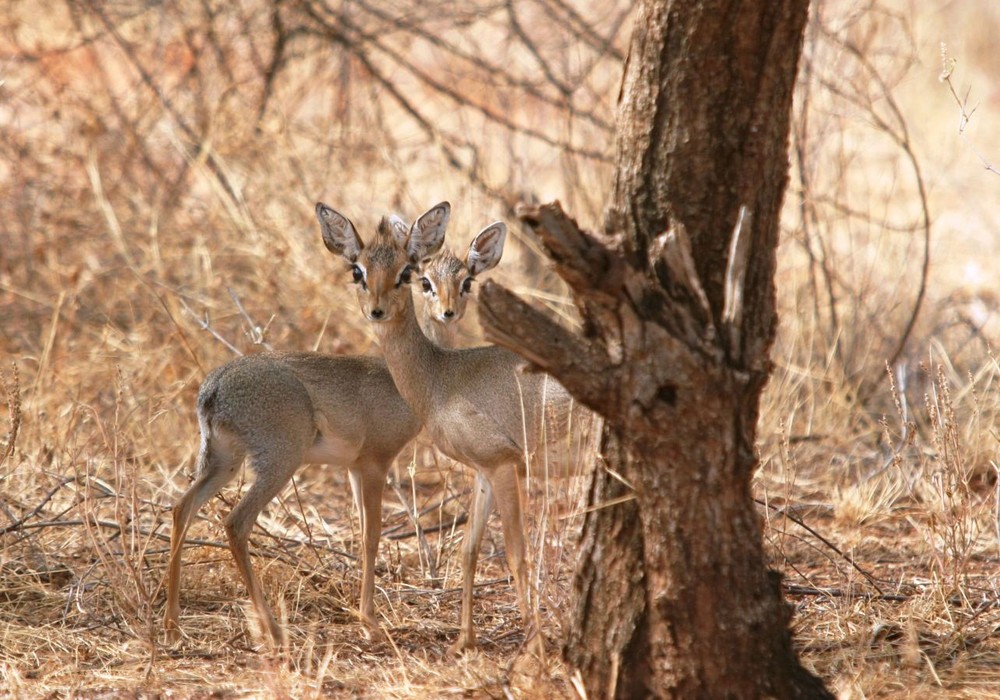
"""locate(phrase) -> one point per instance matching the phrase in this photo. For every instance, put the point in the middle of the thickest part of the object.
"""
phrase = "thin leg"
(507, 486)
(216, 468)
(482, 504)
(354, 478)
(272, 476)
(367, 483)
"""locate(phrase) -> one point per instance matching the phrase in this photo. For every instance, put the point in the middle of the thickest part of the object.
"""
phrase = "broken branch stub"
(736, 270)
(582, 260)
(686, 313)
(580, 365)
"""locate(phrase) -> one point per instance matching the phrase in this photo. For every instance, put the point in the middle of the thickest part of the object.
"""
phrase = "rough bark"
(677, 295)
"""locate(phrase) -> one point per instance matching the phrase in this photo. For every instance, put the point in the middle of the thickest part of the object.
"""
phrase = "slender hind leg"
(217, 465)
(482, 504)
(273, 473)
(507, 487)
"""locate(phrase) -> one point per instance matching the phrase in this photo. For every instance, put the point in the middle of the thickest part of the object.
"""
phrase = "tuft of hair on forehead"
(445, 263)
(384, 249)
(384, 231)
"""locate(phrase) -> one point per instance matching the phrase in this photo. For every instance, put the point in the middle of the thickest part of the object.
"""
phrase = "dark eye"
(359, 274)
(467, 285)
(426, 284)
(404, 276)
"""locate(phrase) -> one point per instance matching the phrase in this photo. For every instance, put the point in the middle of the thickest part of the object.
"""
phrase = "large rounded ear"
(427, 233)
(486, 248)
(339, 234)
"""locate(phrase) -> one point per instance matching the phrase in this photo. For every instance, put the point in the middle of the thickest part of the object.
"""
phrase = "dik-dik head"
(384, 268)
(447, 280)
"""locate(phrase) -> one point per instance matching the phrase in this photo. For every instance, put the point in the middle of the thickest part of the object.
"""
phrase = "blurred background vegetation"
(159, 162)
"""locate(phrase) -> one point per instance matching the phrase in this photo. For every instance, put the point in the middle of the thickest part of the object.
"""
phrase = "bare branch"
(215, 167)
(582, 260)
(20, 522)
(205, 325)
(670, 256)
(521, 34)
(965, 114)
(579, 365)
(448, 91)
(255, 332)
(499, 74)
(583, 29)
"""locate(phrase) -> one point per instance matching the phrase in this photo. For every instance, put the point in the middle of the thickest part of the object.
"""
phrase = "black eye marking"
(359, 276)
(404, 276)
(467, 285)
(426, 284)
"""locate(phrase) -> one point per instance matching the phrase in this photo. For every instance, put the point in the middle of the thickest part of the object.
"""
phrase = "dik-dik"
(477, 405)
(288, 409)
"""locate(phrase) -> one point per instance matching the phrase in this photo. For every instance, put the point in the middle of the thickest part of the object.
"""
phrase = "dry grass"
(159, 180)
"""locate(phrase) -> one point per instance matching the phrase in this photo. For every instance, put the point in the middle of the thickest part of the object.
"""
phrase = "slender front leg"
(367, 483)
(482, 504)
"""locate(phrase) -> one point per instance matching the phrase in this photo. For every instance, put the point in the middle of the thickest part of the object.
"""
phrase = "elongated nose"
(377, 313)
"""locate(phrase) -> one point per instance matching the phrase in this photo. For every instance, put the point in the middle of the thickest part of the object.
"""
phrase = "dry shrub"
(891, 565)
(160, 162)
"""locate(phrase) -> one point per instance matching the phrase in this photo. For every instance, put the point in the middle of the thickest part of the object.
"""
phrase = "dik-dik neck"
(413, 359)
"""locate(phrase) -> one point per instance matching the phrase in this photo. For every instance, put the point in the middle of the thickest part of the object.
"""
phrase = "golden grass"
(134, 218)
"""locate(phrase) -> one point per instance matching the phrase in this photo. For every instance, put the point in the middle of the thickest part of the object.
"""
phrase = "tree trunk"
(674, 598)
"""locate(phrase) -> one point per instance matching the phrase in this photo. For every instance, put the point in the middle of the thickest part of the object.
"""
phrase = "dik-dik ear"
(427, 233)
(486, 248)
(339, 234)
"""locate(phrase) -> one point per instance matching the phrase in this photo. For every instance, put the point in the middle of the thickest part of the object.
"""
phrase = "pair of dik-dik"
(284, 410)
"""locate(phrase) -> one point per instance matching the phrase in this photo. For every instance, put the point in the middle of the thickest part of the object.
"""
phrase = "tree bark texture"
(674, 598)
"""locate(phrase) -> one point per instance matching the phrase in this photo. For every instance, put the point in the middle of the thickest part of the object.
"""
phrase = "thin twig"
(389, 531)
(406, 534)
(206, 326)
(22, 523)
(793, 589)
(12, 394)
(798, 521)
(418, 529)
(255, 331)
(965, 115)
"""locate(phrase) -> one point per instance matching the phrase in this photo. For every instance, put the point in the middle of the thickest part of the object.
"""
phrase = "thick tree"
(674, 597)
